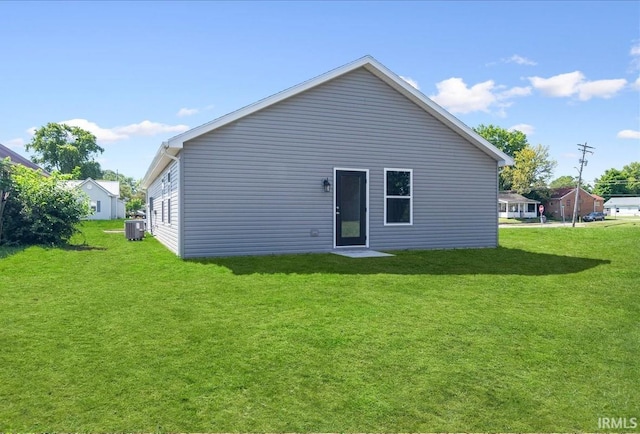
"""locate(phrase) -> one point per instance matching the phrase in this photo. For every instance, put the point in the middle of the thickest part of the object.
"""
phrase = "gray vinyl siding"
(255, 186)
(165, 231)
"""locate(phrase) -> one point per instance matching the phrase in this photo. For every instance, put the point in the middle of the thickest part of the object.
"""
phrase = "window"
(162, 219)
(531, 207)
(168, 210)
(502, 207)
(398, 196)
(97, 206)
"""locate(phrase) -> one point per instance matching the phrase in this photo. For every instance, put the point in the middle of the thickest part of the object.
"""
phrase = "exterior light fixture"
(326, 185)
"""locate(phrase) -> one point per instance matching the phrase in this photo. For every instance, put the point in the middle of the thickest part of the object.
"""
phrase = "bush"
(39, 209)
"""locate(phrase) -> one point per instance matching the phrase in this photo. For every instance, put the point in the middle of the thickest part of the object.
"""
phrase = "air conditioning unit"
(134, 230)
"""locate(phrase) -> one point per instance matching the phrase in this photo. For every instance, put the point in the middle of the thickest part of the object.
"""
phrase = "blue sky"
(137, 73)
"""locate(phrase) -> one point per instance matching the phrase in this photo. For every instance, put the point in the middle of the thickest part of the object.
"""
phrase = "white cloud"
(514, 92)
(187, 112)
(575, 84)
(102, 134)
(148, 128)
(520, 60)
(108, 135)
(14, 143)
(411, 81)
(31, 131)
(561, 85)
(600, 88)
(636, 84)
(525, 128)
(457, 97)
(635, 56)
(629, 134)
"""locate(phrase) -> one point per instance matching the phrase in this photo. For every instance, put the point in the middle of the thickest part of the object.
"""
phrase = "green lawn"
(541, 334)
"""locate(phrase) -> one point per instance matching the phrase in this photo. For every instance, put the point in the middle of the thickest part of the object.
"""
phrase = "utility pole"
(583, 162)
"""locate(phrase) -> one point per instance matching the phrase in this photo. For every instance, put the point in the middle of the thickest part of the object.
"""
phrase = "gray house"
(354, 158)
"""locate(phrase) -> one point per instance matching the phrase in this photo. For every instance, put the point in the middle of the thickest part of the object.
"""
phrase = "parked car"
(593, 216)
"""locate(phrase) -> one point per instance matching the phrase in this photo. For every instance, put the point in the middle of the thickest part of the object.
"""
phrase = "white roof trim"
(174, 144)
(80, 183)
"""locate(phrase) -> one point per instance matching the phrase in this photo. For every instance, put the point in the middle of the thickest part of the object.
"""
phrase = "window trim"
(387, 196)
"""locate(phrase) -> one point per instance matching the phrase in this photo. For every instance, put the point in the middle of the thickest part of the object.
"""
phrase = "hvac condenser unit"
(134, 229)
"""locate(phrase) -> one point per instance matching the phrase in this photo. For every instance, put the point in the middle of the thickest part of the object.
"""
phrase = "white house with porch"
(513, 205)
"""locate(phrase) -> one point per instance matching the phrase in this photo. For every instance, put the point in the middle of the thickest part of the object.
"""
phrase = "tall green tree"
(63, 148)
(569, 181)
(614, 182)
(509, 142)
(564, 181)
(532, 170)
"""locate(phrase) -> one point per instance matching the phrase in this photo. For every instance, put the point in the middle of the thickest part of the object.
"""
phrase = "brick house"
(560, 204)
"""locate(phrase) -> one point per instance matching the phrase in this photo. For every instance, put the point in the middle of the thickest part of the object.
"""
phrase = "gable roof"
(111, 188)
(559, 193)
(623, 201)
(514, 197)
(19, 159)
(169, 149)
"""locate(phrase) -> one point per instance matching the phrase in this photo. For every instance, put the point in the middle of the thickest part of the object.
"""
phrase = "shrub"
(39, 209)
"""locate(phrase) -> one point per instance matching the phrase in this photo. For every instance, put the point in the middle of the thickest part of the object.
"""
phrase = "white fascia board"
(159, 162)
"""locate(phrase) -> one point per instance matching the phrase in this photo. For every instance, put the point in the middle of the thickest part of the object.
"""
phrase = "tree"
(564, 181)
(39, 210)
(532, 169)
(509, 142)
(614, 182)
(632, 172)
(129, 187)
(129, 190)
(63, 148)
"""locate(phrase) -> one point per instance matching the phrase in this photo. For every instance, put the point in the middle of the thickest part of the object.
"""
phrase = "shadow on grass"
(499, 261)
(81, 247)
(6, 251)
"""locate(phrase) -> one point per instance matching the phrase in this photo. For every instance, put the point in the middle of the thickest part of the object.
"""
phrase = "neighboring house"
(19, 159)
(561, 203)
(104, 198)
(354, 158)
(513, 205)
(623, 206)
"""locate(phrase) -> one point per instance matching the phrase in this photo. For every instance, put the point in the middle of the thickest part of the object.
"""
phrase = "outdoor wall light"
(326, 185)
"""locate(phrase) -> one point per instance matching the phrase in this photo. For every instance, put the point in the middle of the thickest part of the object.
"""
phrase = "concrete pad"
(361, 253)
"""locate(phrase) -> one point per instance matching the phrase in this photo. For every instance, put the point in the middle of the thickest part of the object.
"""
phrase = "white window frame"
(410, 197)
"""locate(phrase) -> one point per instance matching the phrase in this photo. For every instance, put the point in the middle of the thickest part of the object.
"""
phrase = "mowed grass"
(541, 334)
